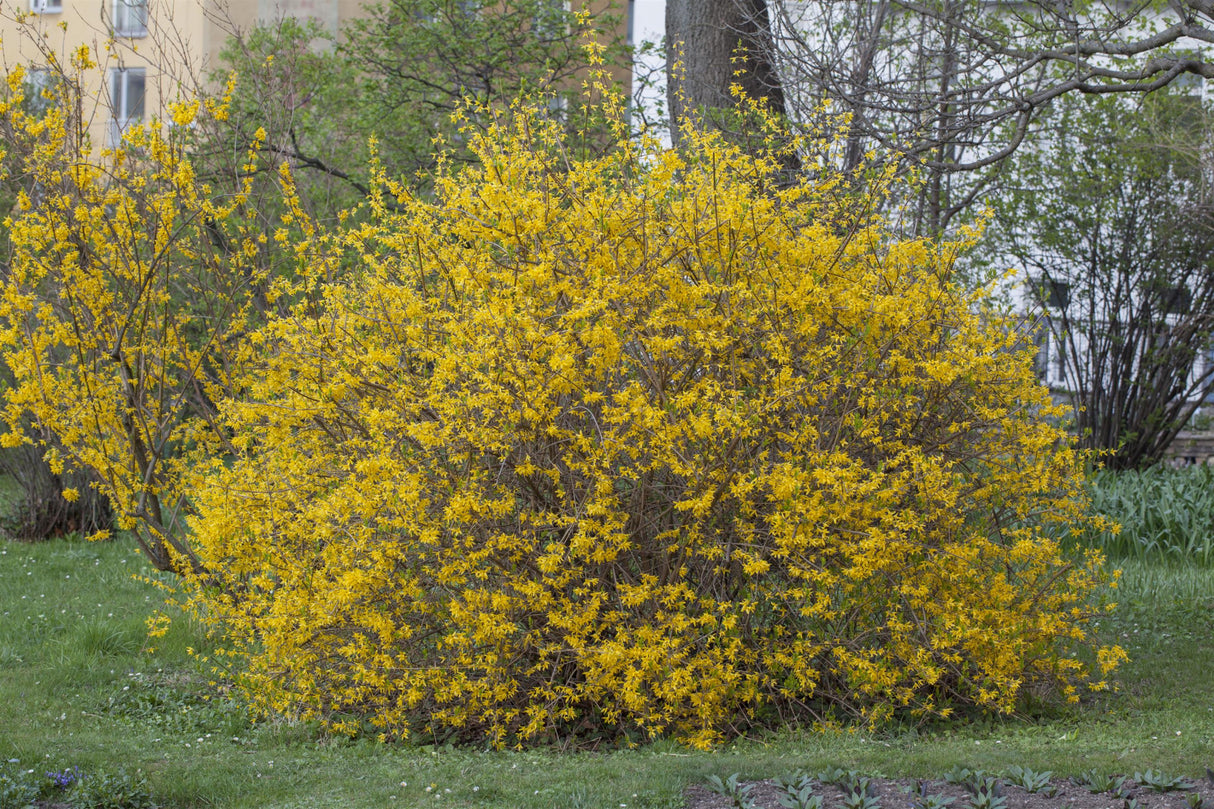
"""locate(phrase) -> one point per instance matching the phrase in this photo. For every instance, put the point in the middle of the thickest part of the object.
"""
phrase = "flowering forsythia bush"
(638, 443)
(612, 443)
(128, 283)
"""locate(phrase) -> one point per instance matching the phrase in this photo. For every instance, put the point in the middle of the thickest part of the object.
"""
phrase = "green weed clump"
(1163, 514)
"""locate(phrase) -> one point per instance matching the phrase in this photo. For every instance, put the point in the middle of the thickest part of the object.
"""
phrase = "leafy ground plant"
(799, 794)
(1028, 779)
(24, 787)
(730, 787)
(1163, 513)
(1098, 782)
(987, 794)
(859, 794)
(922, 798)
(986, 791)
(836, 775)
(1162, 782)
(963, 775)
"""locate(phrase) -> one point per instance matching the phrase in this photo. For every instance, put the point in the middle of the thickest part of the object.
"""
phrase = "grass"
(81, 686)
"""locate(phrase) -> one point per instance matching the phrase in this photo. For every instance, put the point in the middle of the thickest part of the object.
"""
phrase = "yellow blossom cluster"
(128, 285)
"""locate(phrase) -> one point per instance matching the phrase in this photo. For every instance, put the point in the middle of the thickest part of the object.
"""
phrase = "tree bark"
(712, 45)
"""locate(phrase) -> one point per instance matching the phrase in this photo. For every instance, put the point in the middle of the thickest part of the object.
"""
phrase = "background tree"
(947, 83)
(397, 77)
(1115, 227)
(953, 90)
(287, 82)
(713, 46)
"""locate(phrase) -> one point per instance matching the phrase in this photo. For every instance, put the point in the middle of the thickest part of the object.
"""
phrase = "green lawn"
(79, 687)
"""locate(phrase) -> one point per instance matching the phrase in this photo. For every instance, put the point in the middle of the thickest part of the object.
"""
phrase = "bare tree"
(954, 85)
(1116, 231)
(720, 56)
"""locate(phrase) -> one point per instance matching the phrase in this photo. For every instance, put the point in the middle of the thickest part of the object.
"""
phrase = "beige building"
(151, 51)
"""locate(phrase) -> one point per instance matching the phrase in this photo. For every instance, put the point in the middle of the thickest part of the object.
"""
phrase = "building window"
(1051, 360)
(1176, 300)
(1059, 362)
(40, 91)
(126, 100)
(131, 18)
(46, 6)
(1053, 293)
(551, 21)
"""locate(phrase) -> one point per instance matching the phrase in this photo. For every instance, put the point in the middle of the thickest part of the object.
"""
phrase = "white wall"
(649, 25)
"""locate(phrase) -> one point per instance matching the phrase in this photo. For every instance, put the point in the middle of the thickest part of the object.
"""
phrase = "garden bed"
(963, 790)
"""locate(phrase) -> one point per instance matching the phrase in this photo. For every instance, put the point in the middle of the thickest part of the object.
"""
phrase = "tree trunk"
(703, 37)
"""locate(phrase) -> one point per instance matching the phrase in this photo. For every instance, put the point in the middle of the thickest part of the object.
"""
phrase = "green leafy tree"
(1114, 224)
(392, 82)
(291, 92)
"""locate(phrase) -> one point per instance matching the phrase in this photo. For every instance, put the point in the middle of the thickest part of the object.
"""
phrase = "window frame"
(131, 18)
(46, 6)
(39, 80)
(122, 115)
